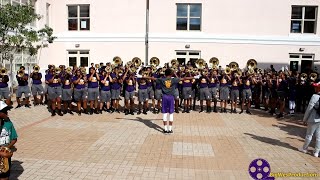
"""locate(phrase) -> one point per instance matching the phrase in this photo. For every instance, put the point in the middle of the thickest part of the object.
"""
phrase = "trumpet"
(200, 63)
(57, 71)
(136, 62)
(313, 76)
(117, 61)
(3, 71)
(154, 61)
(20, 73)
(36, 68)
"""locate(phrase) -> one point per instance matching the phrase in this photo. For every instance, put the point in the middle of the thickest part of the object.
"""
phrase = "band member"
(247, 93)
(312, 120)
(282, 92)
(143, 94)
(115, 89)
(234, 93)
(273, 94)
(204, 93)
(105, 94)
(302, 90)
(37, 88)
(168, 85)
(224, 92)
(8, 137)
(80, 92)
(266, 91)
(23, 87)
(93, 90)
(213, 86)
(176, 95)
(129, 93)
(158, 90)
(54, 91)
(187, 93)
(151, 90)
(292, 81)
(66, 80)
(4, 89)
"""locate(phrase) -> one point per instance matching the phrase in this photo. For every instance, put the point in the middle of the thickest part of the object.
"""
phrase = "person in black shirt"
(23, 87)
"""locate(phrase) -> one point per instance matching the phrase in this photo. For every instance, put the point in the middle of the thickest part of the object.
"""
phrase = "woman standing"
(312, 120)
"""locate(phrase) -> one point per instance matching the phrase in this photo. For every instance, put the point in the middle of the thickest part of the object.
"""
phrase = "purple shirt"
(105, 86)
(142, 84)
(4, 81)
(187, 83)
(66, 83)
(55, 82)
(115, 85)
(203, 82)
(94, 83)
(36, 78)
(81, 83)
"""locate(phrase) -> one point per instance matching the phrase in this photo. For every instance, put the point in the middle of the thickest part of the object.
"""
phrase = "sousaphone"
(154, 61)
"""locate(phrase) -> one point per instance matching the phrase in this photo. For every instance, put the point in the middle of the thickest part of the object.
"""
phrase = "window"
(303, 19)
(301, 62)
(189, 17)
(78, 17)
(185, 57)
(78, 58)
(47, 14)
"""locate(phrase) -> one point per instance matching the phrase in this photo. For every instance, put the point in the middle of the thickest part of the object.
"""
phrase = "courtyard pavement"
(115, 146)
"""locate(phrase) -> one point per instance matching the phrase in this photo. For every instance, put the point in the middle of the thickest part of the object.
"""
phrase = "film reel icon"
(259, 169)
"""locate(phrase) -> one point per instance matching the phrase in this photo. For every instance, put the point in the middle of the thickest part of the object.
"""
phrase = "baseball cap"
(4, 107)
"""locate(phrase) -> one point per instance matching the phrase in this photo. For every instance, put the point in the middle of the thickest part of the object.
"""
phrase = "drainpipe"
(147, 34)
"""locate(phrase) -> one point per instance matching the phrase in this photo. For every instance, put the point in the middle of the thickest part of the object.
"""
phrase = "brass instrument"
(162, 70)
(129, 64)
(189, 69)
(136, 62)
(4, 161)
(205, 72)
(251, 71)
(200, 63)
(4, 71)
(174, 68)
(174, 62)
(260, 71)
(154, 61)
(69, 70)
(117, 61)
(303, 76)
(214, 62)
(234, 65)
(83, 70)
(133, 69)
(182, 68)
(36, 68)
(313, 76)
(108, 69)
(145, 73)
(251, 64)
(57, 71)
(227, 70)
(239, 72)
(20, 73)
(120, 72)
(153, 68)
(97, 66)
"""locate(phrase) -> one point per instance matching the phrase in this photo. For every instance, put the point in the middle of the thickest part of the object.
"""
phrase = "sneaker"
(241, 112)
(53, 113)
(19, 106)
(79, 113)
(70, 112)
(280, 116)
(248, 112)
(302, 150)
(165, 132)
(144, 112)
(59, 113)
(316, 154)
(170, 132)
(139, 112)
(177, 111)
(131, 112)
(118, 111)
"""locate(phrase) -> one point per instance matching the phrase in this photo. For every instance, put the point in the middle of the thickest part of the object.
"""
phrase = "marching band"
(102, 87)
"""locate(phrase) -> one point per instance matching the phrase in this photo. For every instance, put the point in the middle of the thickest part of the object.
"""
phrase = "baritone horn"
(227, 70)
(251, 64)
(154, 61)
(234, 65)
(200, 63)
(3, 71)
(174, 62)
(117, 61)
(214, 62)
(303, 76)
(36, 68)
(313, 76)
(136, 62)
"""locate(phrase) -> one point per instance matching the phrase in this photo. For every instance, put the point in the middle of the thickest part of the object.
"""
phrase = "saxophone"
(4, 161)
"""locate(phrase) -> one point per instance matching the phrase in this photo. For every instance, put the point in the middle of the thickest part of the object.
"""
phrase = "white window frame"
(187, 56)
(304, 20)
(78, 55)
(188, 16)
(78, 18)
(300, 57)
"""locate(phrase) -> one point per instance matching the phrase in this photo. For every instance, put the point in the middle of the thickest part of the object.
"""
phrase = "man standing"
(23, 87)
(168, 85)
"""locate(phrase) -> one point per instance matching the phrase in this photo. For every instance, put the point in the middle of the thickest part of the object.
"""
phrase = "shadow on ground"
(16, 169)
(147, 122)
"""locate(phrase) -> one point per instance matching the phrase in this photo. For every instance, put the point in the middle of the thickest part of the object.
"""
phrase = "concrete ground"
(115, 146)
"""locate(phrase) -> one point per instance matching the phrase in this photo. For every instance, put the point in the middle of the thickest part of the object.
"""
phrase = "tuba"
(154, 61)
(313, 76)
(303, 76)
(4, 161)
(136, 62)
(251, 63)
(214, 62)
(174, 62)
(36, 68)
(117, 61)
(200, 63)
(234, 66)
(3, 71)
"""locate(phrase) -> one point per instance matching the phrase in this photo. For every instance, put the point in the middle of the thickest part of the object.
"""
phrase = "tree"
(16, 34)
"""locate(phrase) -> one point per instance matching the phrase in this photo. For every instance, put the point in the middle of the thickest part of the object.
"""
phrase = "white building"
(284, 32)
